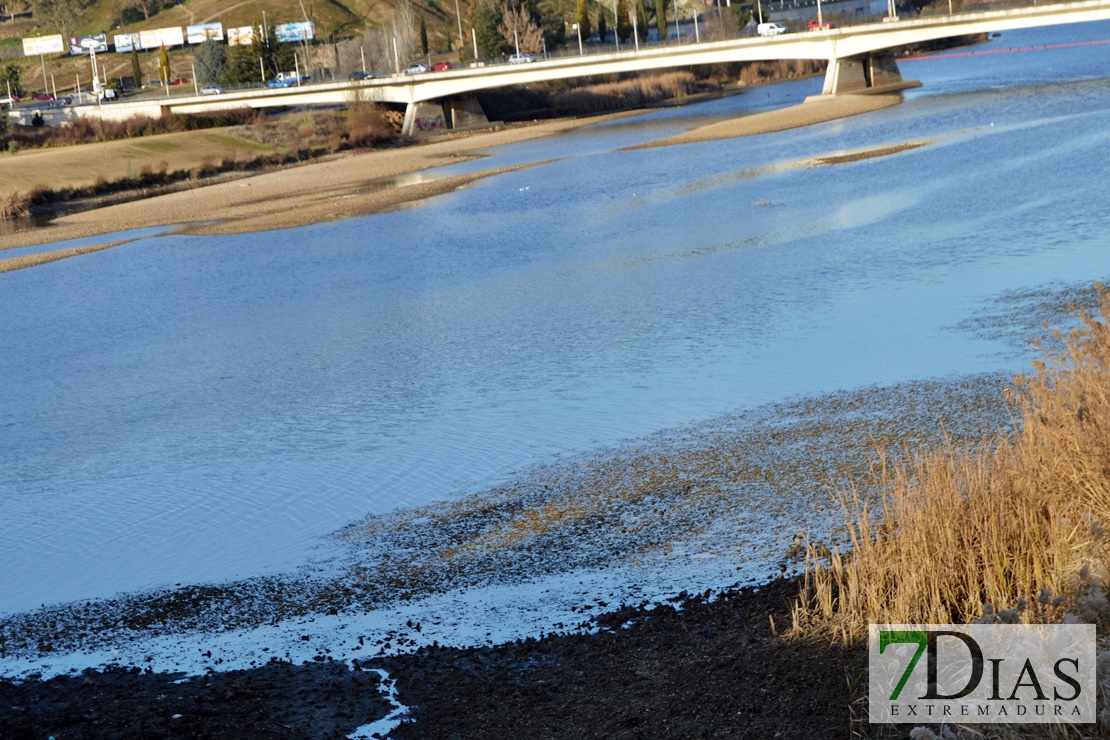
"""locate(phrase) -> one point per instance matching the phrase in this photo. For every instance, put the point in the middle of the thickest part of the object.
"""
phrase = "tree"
(423, 36)
(12, 79)
(242, 66)
(552, 20)
(661, 18)
(487, 28)
(63, 15)
(624, 26)
(641, 19)
(163, 65)
(601, 27)
(582, 17)
(519, 25)
(211, 62)
(136, 68)
(148, 7)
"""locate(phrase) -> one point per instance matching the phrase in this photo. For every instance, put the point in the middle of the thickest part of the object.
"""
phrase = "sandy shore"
(361, 183)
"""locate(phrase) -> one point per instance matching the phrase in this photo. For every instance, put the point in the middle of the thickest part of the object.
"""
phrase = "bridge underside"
(874, 72)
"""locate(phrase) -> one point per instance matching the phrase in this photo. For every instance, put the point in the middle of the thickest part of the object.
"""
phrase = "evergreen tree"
(582, 17)
(164, 65)
(487, 28)
(661, 18)
(12, 78)
(136, 68)
(242, 66)
(602, 29)
(211, 62)
(624, 27)
(642, 16)
(423, 36)
(550, 18)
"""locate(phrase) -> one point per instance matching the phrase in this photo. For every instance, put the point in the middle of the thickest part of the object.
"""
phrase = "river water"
(186, 409)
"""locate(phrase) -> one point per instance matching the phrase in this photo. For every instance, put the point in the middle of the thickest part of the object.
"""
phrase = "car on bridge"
(442, 66)
(360, 74)
(417, 69)
(211, 90)
(521, 59)
(770, 29)
(815, 25)
(8, 100)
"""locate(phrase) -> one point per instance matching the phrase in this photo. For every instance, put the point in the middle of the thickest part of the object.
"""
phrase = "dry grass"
(626, 93)
(1008, 530)
(12, 205)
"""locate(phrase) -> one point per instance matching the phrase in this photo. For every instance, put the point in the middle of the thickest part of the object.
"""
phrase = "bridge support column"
(423, 117)
(464, 112)
(870, 73)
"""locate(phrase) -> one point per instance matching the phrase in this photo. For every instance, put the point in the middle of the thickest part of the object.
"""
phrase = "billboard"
(241, 36)
(202, 32)
(44, 45)
(79, 45)
(161, 37)
(294, 31)
(125, 42)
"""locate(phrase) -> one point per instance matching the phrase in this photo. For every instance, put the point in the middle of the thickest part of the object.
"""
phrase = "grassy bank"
(142, 156)
(1011, 529)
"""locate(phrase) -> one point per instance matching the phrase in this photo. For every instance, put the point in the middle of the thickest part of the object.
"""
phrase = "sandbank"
(360, 183)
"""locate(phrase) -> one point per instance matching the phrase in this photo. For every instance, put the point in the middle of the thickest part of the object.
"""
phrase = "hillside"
(335, 22)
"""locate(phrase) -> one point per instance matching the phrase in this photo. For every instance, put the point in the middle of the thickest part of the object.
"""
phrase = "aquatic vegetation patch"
(859, 156)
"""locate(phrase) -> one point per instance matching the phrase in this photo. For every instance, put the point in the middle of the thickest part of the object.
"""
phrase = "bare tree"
(147, 6)
(402, 26)
(60, 15)
(529, 34)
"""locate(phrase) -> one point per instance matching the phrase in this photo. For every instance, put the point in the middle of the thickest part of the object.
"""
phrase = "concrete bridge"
(860, 60)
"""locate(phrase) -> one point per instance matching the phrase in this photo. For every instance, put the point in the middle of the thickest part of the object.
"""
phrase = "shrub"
(959, 532)
(13, 205)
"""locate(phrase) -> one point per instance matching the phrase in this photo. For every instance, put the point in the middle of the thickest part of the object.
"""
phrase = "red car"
(44, 96)
(442, 66)
(815, 26)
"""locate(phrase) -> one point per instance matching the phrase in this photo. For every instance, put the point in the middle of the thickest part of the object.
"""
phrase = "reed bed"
(626, 94)
(1010, 529)
(13, 205)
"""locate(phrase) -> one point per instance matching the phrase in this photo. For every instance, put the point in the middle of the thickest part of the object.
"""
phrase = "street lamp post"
(616, 26)
(635, 31)
(516, 42)
(458, 17)
(578, 28)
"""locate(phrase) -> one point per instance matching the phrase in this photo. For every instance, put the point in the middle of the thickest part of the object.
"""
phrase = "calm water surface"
(181, 409)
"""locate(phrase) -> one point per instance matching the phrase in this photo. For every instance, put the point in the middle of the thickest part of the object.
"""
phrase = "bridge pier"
(868, 73)
(450, 113)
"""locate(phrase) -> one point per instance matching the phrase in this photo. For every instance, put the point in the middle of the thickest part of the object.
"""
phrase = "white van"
(770, 29)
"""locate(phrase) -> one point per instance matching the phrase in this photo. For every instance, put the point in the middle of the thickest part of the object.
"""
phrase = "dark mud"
(688, 668)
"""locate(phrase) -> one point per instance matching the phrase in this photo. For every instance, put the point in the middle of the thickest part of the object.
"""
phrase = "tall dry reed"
(625, 93)
(13, 205)
(1012, 529)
